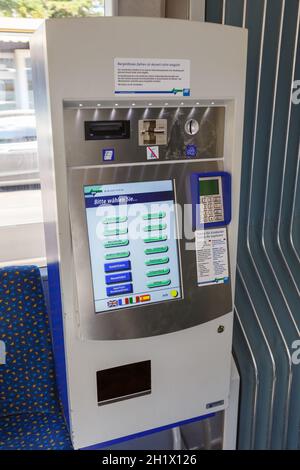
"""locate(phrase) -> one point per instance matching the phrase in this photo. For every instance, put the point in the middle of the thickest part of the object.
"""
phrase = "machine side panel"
(46, 165)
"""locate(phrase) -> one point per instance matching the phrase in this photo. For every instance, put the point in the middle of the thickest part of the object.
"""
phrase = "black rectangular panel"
(123, 382)
(107, 130)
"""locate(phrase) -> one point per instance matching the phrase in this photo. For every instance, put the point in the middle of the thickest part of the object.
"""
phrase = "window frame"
(21, 243)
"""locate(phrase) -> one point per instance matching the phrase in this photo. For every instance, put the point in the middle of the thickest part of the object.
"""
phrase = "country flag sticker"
(112, 303)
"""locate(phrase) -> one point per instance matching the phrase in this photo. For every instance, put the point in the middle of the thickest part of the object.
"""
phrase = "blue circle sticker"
(191, 151)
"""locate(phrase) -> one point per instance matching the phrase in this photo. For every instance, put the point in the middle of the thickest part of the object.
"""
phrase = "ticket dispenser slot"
(123, 382)
(211, 194)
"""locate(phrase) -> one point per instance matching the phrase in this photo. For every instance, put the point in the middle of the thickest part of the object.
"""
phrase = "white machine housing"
(73, 62)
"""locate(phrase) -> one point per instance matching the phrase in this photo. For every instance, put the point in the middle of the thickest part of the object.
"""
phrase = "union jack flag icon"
(112, 303)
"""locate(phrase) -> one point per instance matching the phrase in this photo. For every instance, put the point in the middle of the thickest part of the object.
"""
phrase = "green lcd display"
(209, 187)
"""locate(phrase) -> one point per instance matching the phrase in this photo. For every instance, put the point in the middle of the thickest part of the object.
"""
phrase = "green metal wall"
(267, 300)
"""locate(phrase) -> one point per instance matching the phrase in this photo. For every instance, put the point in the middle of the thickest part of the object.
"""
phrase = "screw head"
(221, 329)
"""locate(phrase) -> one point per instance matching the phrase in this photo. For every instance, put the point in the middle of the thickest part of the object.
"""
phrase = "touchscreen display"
(133, 244)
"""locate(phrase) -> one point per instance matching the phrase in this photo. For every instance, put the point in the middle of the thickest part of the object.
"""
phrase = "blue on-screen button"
(118, 290)
(118, 266)
(116, 278)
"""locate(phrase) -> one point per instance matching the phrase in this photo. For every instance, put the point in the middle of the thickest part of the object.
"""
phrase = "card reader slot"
(107, 130)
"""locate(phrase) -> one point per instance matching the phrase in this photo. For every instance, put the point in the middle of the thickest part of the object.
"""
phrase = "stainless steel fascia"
(198, 306)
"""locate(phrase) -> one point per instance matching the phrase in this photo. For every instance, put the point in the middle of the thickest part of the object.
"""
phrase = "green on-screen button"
(118, 231)
(157, 284)
(124, 254)
(114, 220)
(154, 251)
(155, 261)
(154, 215)
(155, 228)
(163, 238)
(116, 243)
(159, 272)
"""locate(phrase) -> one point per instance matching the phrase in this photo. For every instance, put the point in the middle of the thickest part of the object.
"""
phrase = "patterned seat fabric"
(35, 431)
(27, 381)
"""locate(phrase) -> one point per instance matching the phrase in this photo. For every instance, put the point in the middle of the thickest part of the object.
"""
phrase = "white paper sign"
(155, 77)
(212, 257)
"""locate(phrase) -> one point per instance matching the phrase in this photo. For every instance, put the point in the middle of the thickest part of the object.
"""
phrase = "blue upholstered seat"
(35, 431)
(30, 416)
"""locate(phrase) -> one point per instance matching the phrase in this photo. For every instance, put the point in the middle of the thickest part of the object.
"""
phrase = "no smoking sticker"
(153, 153)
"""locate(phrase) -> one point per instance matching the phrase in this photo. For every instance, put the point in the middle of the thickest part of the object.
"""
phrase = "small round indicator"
(174, 293)
(192, 127)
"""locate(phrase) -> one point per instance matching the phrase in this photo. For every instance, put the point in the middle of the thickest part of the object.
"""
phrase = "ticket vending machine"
(140, 137)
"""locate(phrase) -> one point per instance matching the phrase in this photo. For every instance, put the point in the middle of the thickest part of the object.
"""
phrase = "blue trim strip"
(179, 92)
(56, 323)
(148, 433)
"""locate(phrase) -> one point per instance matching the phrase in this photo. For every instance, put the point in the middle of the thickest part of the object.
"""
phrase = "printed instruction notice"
(212, 257)
(163, 77)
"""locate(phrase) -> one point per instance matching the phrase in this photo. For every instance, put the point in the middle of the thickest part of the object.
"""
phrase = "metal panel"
(209, 140)
(147, 320)
(268, 281)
